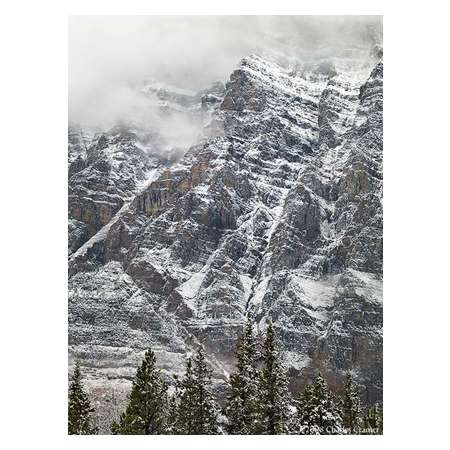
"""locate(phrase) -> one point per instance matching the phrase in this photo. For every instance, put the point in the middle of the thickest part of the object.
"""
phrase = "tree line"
(258, 399)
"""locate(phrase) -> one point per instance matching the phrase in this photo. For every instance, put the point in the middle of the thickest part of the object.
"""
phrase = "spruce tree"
(172, 416)
(351, 407)
(196, 410)
(327, 409)
(373, 420)
(183, 402)
(80, 410)
(304, 404)
(274, 410)
(206, 408)
(243, 400)
(146, 412)
(318, 412)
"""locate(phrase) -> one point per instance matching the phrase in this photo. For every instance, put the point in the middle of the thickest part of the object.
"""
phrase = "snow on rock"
(275, 213)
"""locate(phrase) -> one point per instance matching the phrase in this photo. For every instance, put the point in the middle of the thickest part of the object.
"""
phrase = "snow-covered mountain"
(275, 212)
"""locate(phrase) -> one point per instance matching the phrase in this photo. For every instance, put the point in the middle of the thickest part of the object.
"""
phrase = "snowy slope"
(274, 213)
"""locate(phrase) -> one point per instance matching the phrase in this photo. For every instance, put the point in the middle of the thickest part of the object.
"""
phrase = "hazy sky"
(108, 53)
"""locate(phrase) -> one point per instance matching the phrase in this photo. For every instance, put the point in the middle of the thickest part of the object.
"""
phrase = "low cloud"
(110, 55)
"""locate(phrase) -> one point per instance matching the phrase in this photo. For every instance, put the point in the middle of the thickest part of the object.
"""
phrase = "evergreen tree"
(317, 410)
(146, 412)
(373, 420)
(80, 410)
(196, 410)
(206, 408)
(274, 410)
(305, 405)
(351, 406)
(183, 402)
(242, 405)
(172, 415)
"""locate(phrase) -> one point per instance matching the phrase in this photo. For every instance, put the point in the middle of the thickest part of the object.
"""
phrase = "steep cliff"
(275, 212)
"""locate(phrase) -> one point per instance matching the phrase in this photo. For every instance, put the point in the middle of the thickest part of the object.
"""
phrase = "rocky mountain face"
(275, 213)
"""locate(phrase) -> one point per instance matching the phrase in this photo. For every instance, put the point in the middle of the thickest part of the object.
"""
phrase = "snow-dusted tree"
(318, 412)
(274, 414)
(373, 420)
(351, 406)
(183, 402)
(80, 410)
(197, 412)
(146, 412)
(304, 405)
(242, 405)
(173, 404)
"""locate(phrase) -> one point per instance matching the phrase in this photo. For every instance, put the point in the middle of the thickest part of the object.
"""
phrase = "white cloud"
(108, 54)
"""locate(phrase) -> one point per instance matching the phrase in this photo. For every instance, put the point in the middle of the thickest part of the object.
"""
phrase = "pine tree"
(351, 406)
(172, 415)
(242, 405)
(80, 410)
(206, 408)
(373, 420)
(183, 402)
(274, 410)
(146, 412)
(304, 404)
(196, 410)
(317, 410)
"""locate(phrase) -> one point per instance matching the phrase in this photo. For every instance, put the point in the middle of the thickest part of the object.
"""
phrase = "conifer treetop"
(80, 410)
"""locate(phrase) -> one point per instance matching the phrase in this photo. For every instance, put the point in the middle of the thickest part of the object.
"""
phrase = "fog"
(108, 55)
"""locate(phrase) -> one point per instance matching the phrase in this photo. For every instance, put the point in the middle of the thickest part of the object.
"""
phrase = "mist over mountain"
(224, 169)
(109, 55)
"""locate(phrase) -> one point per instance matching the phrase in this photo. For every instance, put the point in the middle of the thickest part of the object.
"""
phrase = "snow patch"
(318, 293)
(296, 360)
(260, 292)
(247, 283)
(190, 288)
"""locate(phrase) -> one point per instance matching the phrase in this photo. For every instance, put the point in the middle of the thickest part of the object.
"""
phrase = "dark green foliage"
(243, 400)
(196, 410)
(80, 410)
(351, 407)
(173, 409)
(258, 401)
(147, 409)
(182, 403)
(274, 406)
(317, 412)
(373, 420)
(304, 404)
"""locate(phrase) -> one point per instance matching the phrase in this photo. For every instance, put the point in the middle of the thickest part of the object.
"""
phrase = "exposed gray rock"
(275, 213)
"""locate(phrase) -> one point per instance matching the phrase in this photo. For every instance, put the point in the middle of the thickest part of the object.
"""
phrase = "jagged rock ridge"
(275, 213)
